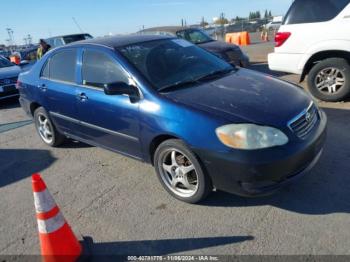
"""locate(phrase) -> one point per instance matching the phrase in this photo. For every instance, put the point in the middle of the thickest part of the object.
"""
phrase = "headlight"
(250, 136)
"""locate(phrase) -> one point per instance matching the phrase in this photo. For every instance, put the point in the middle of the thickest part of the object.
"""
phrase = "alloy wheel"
(178, 173)
(44, 128)
(330, 80)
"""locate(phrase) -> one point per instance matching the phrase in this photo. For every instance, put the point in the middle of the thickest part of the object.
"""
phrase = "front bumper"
(245, 61)
(288, 63)
(262, 172)
(242, 61)
(8, 92)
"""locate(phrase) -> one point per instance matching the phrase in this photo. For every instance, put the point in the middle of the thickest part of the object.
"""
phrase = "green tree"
(258, 15)
(266, 14)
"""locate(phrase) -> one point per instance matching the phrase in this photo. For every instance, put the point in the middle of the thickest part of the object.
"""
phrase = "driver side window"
(98, 70)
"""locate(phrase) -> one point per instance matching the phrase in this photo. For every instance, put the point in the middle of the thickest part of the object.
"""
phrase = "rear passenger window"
(46, 73)
(99, 69)
(312, 11)
(62, 66)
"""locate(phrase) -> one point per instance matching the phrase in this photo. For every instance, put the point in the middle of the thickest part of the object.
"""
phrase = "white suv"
(314, 40)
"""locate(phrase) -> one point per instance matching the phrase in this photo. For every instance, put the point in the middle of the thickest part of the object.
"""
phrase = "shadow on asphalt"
(264, 68)
(156, 247)
(69, 143)
(325, 190)
(9, 103)
(17, 164)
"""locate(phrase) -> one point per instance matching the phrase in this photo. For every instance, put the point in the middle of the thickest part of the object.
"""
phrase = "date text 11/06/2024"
(173, 258)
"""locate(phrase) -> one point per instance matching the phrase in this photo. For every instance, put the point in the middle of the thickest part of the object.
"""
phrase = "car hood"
(246, 96)
(9, 72)
(217, 46)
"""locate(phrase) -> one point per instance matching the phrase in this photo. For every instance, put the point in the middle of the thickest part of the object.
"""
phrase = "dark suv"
(66, 39)
(228, 52)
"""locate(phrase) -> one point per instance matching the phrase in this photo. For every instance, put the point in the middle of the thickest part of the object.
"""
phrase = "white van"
(314, 40)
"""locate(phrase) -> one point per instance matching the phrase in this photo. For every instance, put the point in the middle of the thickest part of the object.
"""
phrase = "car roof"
(119, 41)
(60, 36)
(170, 29)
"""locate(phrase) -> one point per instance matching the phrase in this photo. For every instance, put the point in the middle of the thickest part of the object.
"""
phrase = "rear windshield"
(74, 38)
(313, 11)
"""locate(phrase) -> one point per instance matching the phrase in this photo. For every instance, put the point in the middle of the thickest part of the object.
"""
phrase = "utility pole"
(10, 34)
(30, 38)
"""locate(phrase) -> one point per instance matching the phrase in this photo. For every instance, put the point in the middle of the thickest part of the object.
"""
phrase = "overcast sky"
(46, 18)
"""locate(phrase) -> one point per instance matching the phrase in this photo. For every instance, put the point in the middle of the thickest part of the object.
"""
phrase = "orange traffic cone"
(57, 240)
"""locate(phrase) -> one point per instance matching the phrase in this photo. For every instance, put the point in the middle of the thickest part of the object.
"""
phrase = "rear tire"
(46, 129)
(180, 172)
(329, 80)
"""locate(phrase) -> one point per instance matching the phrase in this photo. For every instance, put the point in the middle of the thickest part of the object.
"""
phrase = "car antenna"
(76, 23)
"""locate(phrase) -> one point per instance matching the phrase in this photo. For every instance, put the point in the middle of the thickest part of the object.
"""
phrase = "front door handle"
(82, 97)
(42, 87)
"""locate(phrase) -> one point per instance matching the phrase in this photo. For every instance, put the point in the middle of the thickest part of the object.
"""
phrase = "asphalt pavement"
(121, 207)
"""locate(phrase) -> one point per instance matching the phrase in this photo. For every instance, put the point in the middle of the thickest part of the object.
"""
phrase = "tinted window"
(62, 66)
(58, 42)
(99, 69)
(194, 36)
(170, 62)
(311, 11)
(45, 72)
(74, 38)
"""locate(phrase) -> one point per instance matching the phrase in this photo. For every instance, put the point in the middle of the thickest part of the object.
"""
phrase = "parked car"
(229, 52)
(57, 41)
(314, 40)
(273, 26)
(8, 77)
(201, 122)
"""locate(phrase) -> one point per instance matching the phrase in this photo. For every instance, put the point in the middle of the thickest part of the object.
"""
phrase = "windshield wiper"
(215, 74)
(179, 85)
(191, 82)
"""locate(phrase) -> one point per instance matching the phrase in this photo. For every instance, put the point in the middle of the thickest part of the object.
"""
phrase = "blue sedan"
(201, 122)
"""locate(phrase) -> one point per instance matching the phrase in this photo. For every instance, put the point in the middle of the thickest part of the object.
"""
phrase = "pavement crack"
(101, 195)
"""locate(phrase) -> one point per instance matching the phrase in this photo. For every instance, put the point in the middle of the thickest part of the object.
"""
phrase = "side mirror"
(120, 88)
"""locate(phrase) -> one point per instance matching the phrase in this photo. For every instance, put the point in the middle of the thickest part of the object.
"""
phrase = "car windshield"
(74, 38)
(195, 36)
(4, 62)
(173, 62)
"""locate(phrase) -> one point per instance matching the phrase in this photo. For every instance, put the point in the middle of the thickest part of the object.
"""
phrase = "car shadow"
(17, 164)
(10, 103)
(264, 68)
(70, 143)
(325, 190)
(97, 251)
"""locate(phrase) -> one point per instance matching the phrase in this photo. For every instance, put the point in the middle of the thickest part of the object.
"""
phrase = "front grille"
(8, 81)
(304, 123)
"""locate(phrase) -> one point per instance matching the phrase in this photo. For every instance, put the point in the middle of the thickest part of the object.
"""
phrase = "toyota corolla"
(201, 122)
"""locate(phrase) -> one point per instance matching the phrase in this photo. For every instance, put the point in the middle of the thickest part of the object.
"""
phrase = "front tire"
(180, 172)
(46, 129)
(329, 80)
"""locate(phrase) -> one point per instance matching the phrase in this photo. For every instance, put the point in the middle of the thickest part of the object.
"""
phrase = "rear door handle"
(42, 87)
(82, 97)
